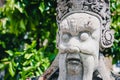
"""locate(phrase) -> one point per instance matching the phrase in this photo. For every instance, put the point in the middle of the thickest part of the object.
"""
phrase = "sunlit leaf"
(11, 71)
(10, 52)
(1, 66)
(28, 68)
(42, 6)
(27, 56)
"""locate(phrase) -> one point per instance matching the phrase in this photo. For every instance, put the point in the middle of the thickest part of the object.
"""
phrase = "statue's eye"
(84, 36)
(65, 37)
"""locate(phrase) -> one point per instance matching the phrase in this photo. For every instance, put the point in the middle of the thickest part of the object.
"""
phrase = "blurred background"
(28, 37)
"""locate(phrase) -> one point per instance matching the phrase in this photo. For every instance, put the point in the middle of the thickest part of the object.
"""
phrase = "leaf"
(2, 43)
(42, 7)
(27, 56)
(11, 71)
(18, 53)
(37, 58)
(10, 52)
(22, 25)
(26, 63)
(38, 64)
(113, 5)
(33, 44)
(40, 71)
(28, 68)
(37, 73)
(1, 65)
(5, 59)
(18, 7)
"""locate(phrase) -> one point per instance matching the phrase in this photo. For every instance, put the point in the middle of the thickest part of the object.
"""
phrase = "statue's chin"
(74, 67)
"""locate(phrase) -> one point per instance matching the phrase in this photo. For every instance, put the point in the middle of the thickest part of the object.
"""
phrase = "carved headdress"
(99, 8)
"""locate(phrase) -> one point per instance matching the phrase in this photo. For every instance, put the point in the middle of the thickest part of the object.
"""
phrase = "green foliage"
(22, 21)
(23, 64)
(28, 36)
(115, 16)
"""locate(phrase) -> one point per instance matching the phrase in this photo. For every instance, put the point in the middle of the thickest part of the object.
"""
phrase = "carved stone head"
(99, 8)
(79, 44)
(83, 32)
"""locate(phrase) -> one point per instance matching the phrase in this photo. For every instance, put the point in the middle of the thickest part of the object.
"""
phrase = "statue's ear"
(107, 38)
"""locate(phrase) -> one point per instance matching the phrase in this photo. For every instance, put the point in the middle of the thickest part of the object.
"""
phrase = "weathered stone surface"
(2, 2)
(83, 33)
(79, 44)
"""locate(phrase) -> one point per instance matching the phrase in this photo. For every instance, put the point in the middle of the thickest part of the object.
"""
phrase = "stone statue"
(83, 33)
(82, 37)
(79, 46)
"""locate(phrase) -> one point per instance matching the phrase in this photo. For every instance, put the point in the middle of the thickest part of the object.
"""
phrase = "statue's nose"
(73, 45)
(73, 49)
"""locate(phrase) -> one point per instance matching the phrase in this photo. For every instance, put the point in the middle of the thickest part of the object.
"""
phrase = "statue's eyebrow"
(64, 26)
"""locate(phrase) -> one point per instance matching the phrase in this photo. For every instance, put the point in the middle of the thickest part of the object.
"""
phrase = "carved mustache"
(70, 49)
(74, 49)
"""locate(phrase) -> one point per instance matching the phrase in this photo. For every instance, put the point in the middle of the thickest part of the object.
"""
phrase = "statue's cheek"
(90, 47)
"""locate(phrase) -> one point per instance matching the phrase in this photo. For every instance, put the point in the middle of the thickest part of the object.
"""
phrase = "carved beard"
(74, 67)
(70, 67)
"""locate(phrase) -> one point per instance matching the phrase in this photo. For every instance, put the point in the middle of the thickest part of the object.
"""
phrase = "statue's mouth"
(74, 66)
(73, 59)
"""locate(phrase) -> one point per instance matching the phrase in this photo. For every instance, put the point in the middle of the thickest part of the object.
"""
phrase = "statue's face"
(79, 35)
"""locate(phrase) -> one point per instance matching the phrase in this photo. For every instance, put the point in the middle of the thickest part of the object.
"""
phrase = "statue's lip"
(73, 58)
(73, 61)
